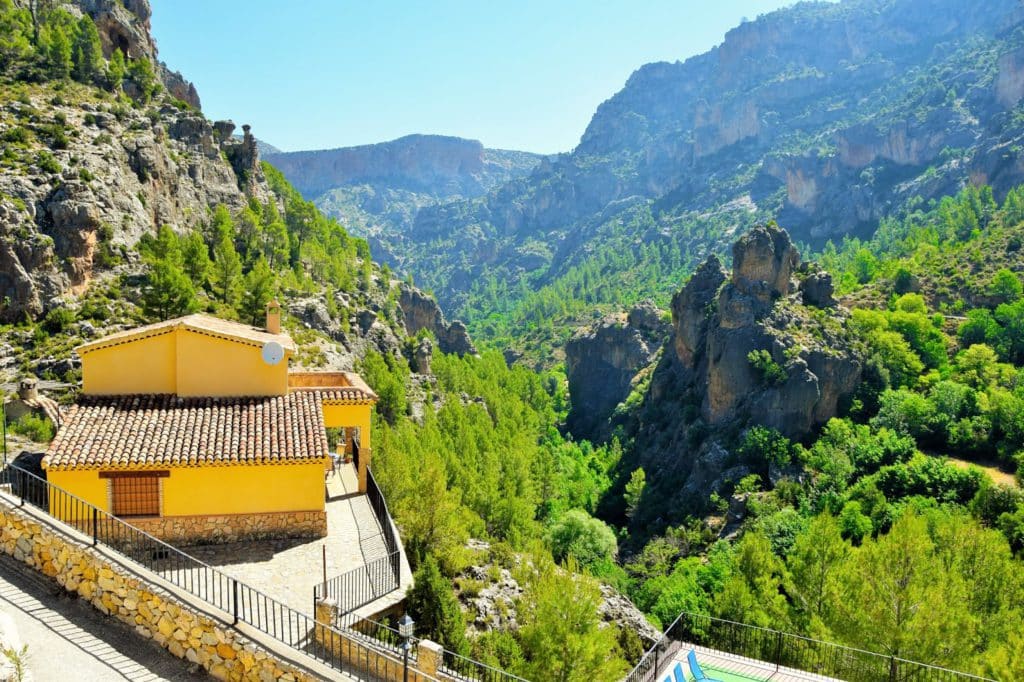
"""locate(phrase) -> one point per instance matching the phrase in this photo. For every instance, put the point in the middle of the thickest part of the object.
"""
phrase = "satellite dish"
(272, 352)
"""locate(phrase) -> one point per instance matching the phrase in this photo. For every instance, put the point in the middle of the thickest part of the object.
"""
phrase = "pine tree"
(59, 53)
(435, 608)
(116, 70)
(168, 292)
(226, 277)
(195, 256)
(560, 628)
(259, 289)
(88, 54)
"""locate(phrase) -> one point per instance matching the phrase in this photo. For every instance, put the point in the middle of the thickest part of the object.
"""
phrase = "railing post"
(95, 527)
(778, 650)
(234, 601)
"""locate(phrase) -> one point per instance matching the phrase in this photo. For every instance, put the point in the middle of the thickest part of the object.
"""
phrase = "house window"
(135, 493)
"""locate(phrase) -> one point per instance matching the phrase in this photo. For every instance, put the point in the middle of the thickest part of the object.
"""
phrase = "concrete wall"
(153, 614)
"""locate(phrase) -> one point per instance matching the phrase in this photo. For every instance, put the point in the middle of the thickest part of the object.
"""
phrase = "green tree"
(635, 490)
(15, 35)
(560, 632)
(168, 292)
(141, 73)
(814, 563)
(59, 53)
(896, 599)
(195, 257)
(117, 69)
(1005, 286)
(580, 535)
(435, 608)
(87, 51)
(259, 289)
(226, 276)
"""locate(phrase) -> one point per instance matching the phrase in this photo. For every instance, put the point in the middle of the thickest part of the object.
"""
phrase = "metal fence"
(361, 585)
(380, 510)
(783, 649)
(242, 602)
(371, 581)
(462, 668)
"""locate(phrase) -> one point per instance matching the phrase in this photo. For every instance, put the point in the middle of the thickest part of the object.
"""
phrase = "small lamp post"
(406, 627)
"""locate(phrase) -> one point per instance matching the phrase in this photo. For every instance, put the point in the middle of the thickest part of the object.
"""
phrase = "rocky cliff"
(602, 363)
(378, 189)
(92, 177)
(763, 345)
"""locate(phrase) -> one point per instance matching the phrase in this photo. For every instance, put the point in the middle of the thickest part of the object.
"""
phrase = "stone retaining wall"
(153, 614)
(221, 528)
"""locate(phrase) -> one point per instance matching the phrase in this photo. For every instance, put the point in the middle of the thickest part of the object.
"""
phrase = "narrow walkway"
(68, 639)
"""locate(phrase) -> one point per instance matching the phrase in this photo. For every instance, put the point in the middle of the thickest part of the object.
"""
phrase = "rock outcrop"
(760, 308)
(124, 173)
(602, 363)
(419, 311)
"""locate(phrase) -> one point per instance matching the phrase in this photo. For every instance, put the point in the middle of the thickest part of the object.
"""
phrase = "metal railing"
(243, 603)
(783, 649)
(371, 581)
(462, 668)
(361, 585)
(380, 510)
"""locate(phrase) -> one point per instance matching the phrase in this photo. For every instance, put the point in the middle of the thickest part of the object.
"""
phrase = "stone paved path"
(67, 639)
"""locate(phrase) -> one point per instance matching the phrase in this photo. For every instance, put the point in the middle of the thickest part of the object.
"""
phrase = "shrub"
(57, 320)
(39, 429)
(770, 372)
(47, 163)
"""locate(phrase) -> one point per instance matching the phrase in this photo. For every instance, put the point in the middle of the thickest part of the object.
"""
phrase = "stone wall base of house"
(223, 528)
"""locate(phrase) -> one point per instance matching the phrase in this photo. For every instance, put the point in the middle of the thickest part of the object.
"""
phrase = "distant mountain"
(825, 116)
(378, 189)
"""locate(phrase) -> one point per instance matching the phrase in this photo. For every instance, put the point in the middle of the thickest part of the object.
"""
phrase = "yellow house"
(194, 430)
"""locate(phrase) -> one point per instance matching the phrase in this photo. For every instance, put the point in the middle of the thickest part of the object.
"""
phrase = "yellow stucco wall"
(196, 491)
(211, 366)
(350, 415)
(141, 366)
(244, 489)
(84, 484)
(183, 362)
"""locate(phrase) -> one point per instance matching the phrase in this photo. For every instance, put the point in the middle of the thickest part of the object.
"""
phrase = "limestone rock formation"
(601, 363)
(419, 311)
(761, 309)
(121, 176)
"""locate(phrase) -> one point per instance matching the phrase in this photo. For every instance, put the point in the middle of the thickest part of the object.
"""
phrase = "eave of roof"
(202, 324)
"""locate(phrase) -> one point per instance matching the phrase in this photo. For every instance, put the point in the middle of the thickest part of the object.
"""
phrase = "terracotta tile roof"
(204, 324)
(333, 387)
(153, 431)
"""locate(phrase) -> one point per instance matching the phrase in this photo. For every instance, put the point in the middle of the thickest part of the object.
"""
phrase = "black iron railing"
(371, 581)
(362, 585)
(243, 603)
(783, 649)
(462, 668)
(380, 510)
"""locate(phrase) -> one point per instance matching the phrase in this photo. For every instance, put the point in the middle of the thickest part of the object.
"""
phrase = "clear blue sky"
(316, 74)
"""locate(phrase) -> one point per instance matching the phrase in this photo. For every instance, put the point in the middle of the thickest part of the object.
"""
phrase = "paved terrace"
(288, 569)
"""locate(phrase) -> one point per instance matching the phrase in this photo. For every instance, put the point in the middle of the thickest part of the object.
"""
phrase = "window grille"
(135, 493)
